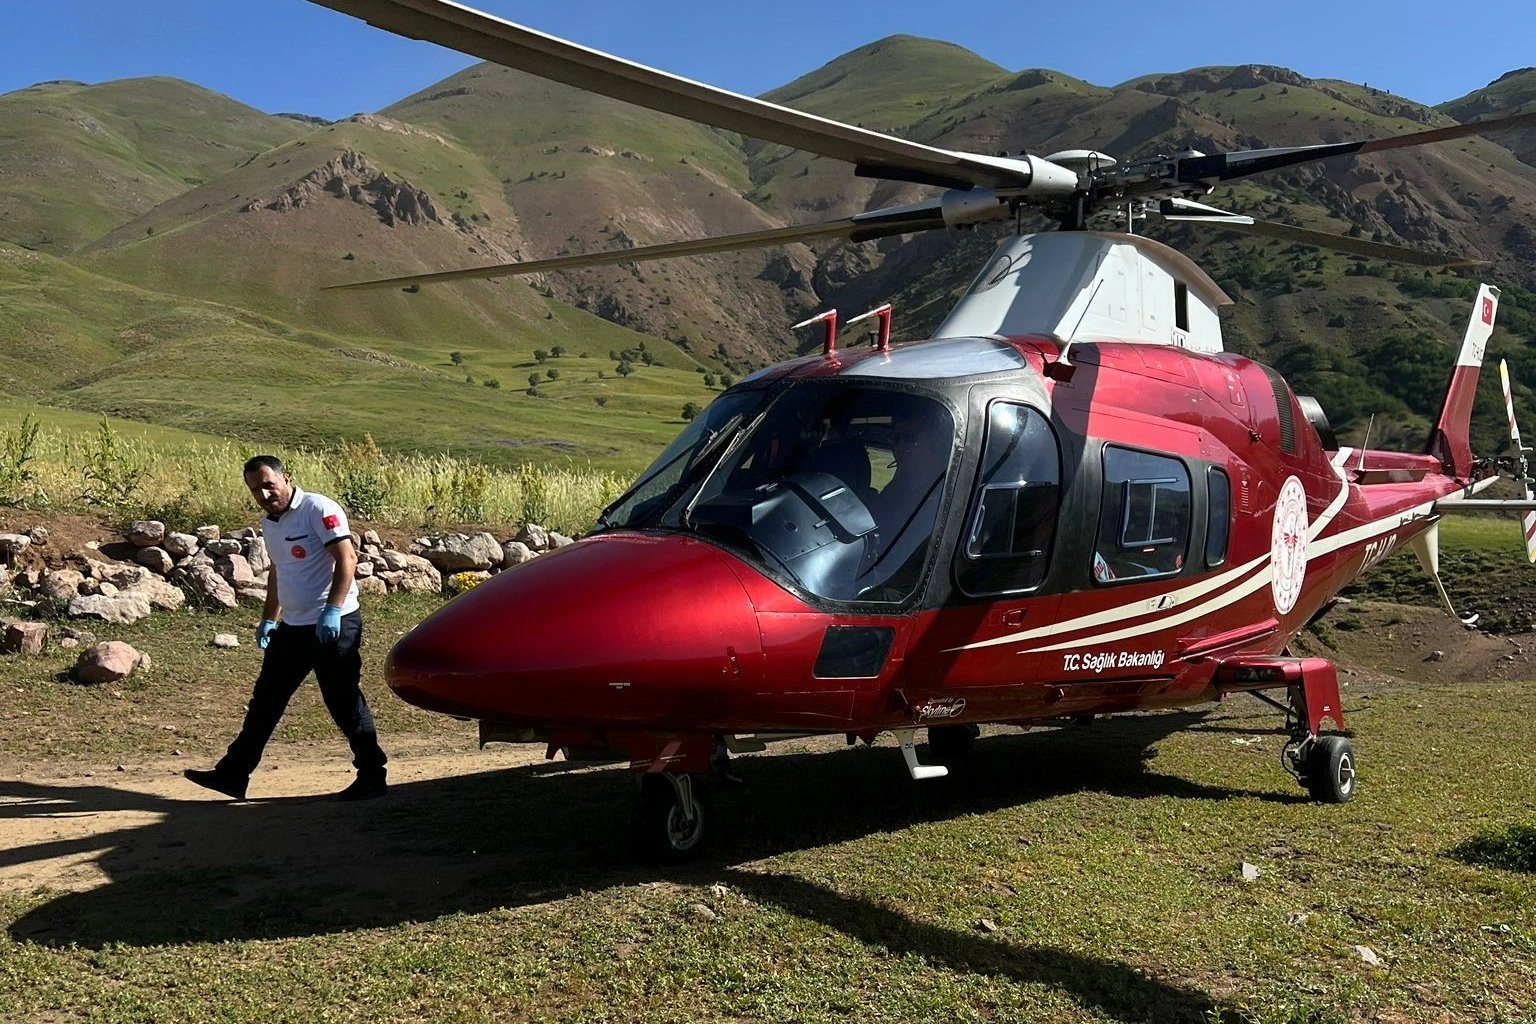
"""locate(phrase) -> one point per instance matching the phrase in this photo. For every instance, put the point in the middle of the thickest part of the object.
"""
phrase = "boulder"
(59, 586)
(235, 569)
(364, 569)
(156, 559)
(209, 587)
(515, 552)
(13, 544)
(108, 662)
(416, 573)
(145, 532)
(457, 553)
(160, 594)
(105, 588)
(559, 540)
(225, 640)
(180, 545)
(207, 533)
(223, 546)
(25, 637)
(123, 575)
(372, 537)
(38, 535)
(371, 585)
(533, 535)
(245, 533)
(251, 593)
(125, 607)
(256, 554)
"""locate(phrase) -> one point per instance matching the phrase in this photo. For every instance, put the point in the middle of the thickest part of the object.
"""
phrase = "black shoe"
(232, 787)
(364, 787)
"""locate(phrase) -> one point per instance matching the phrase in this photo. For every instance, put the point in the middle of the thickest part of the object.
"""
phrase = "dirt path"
(79, 829)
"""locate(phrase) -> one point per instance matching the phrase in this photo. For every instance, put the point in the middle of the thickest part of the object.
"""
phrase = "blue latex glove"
(329, 626)
(264, 631)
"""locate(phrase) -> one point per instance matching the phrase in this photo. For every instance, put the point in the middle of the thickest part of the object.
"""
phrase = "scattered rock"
(161, 594)
(59, 586)
(533, 535)
(559, 540)
(225, 640)
(180, 545)
(1297, 919)
(256, 554)
(1367, 954)
(1436, 656)
(155, 559)
(13, 544)
(211, 588)
(145, 532)
(38, 535)
(207, 533)
(703, 913)
(108, 662)
(1250, 872)
(123, 607)
(223, 546)
(25, 638)
(515, 552)
(986, 925)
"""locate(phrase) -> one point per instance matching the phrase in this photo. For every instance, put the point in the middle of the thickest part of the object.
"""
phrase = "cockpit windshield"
(835, 486)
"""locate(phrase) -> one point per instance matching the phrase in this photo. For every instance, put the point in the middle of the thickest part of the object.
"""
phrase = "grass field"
(1091, 874)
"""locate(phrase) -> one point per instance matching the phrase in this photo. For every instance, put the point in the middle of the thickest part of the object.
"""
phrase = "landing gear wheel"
(1330, 770)
(671, 819)
(950, 743)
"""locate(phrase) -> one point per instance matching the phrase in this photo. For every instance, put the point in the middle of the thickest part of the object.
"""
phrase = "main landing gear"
(1324, 765)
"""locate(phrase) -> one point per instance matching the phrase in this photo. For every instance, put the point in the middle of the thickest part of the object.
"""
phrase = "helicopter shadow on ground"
(201, 870)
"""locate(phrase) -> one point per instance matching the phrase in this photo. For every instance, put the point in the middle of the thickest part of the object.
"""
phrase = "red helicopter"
(1069, 502)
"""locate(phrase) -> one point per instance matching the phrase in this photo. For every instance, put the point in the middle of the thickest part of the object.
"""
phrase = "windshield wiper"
(737, 438)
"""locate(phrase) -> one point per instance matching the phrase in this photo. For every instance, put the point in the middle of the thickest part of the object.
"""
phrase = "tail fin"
(1450, 442)
(1527, 521)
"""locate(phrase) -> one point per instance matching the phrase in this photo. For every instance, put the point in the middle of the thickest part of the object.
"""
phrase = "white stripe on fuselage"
(1178, 598)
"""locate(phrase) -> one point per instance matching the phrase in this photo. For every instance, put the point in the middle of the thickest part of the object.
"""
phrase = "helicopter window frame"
(1120, 557)
(1218, 528)
(1021, 563)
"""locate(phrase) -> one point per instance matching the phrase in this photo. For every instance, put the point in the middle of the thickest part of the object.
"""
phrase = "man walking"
(310, 622)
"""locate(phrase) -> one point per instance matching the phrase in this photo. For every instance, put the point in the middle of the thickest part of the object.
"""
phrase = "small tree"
(557, 351)
(552, 373)
(709, 380)
(540, 355)
(624, 369)
(457, 358)
(491, 382)
(690, 412)
(533, 380)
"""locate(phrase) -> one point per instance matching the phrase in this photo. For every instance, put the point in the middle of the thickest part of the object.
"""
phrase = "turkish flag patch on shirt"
(331, 522)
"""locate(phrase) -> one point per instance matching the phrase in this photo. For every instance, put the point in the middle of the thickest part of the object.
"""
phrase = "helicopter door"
(1001, 563)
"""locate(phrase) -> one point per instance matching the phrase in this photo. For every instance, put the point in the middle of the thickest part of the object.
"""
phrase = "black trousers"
(291, 655)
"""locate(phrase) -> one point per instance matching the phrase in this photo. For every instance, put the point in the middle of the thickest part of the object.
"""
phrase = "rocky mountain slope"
(180, 193)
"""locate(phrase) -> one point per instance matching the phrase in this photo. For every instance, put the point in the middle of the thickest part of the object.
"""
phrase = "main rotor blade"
(1240, 164)
(877, 224)
(482, 35)
(1353, 246)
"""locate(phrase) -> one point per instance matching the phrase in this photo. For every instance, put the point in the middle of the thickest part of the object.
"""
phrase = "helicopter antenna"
(829, 347)
(883, 339)
(1367, 442)
(1060, 368)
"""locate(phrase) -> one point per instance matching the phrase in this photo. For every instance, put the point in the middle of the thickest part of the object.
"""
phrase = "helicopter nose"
(624, 628)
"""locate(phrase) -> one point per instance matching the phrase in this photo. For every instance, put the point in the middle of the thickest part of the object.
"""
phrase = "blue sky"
(289, 55)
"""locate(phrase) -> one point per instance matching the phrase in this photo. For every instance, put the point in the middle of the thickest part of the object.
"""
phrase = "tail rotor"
(1527, 521)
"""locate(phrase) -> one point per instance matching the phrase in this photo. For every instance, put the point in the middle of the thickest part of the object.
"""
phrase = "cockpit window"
(835, 486)
(1012, 524)
(706, 434)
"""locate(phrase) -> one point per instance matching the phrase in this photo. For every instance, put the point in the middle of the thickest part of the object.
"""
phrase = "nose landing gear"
(671, 819)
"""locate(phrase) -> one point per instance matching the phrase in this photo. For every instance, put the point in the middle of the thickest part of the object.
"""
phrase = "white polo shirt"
(296, 543)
